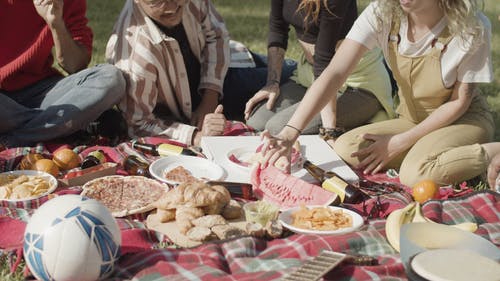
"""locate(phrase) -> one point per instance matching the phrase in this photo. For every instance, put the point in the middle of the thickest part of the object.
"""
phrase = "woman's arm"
(317, 96)
(328, 83)
(387, 147)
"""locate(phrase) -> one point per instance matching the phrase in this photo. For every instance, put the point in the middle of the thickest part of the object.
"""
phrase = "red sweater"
(26, 41)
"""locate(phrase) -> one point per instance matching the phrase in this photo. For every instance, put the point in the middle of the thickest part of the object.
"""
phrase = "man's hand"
(213, 125)
(269, 92)
(378, 154)
(50, 10)
(493, 170)
(71, 55)
(209, 101)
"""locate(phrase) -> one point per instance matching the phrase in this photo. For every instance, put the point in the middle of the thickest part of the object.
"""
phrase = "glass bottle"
(331, 181)
(135, 166)
(94, 158)
(163, 149)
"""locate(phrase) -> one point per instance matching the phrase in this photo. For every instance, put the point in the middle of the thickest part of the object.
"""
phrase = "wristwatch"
(330, 133)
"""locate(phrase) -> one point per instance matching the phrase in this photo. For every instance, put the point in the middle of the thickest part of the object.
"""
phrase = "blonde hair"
(312, 9)
(462, 16)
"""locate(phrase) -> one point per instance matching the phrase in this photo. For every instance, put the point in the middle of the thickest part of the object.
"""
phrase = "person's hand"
(269, 92)
(209, 101)
(214, 123)
(493, 170)
(50, 10)
(276, 148)
(376, 156)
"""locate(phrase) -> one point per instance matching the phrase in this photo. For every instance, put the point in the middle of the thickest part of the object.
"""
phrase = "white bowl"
(48, 177)
(420, 237)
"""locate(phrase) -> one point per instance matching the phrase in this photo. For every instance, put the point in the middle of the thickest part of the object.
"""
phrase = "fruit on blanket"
(394, 222)
(424, 190)
(286, 191)
(66, 159)
(419, 217)
(29, 160)
(71, 237)
(413, 213)
(46, 165)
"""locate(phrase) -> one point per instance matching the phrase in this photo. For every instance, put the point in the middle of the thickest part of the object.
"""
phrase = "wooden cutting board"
(171, 230)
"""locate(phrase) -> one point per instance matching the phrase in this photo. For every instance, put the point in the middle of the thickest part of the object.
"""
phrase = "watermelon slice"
(284, 190)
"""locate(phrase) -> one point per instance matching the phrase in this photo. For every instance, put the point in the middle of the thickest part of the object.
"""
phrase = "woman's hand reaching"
(276, 148)
(380, 152)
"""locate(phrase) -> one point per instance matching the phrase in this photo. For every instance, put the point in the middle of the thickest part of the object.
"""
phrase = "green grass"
(5, 274)
(247, 22)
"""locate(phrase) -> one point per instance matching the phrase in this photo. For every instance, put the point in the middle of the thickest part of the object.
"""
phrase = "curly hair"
(462, 15)
(312, 9)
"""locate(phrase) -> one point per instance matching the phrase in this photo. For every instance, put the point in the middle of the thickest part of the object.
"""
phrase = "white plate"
(455, 264)
(241, 157)
(286, 220)
(51, 180)
(200, 168)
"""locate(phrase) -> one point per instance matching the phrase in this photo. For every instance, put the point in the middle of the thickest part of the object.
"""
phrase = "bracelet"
(273, 81)
(296, 129)
(330, 133)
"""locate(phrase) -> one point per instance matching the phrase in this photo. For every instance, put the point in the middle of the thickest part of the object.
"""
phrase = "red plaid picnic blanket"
(144, 256)
(249, 258)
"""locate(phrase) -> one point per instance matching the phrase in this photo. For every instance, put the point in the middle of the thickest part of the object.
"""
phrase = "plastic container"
(260, 212)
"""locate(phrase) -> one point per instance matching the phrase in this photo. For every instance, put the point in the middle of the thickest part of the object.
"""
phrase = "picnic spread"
(215, 240)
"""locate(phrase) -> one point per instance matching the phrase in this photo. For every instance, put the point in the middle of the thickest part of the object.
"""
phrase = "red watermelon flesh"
(287, 191)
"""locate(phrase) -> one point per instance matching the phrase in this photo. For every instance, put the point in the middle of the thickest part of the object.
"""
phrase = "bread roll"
(232, 210)
(274, 229)
(200, 233)
(165, 215)
(209, 221)
(226, 231)
(184, 217)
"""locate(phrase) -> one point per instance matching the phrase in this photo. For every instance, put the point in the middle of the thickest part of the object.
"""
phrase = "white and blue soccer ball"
(71, 237)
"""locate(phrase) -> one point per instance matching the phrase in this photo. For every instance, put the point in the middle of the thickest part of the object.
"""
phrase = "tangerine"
(425, 190)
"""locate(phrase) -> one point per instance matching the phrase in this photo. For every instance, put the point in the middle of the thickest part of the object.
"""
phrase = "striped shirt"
(153, 66)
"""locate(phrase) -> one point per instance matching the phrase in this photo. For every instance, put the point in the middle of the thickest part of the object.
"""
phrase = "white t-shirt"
(457, 62)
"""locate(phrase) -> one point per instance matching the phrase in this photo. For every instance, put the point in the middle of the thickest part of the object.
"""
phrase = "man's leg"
(71, 104)
(18, 107)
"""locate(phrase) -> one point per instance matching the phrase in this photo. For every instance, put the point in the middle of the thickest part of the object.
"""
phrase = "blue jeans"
(241, 84)
(58, 106)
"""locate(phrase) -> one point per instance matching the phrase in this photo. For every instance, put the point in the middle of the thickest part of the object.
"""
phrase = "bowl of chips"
(321, 220)
(21, 185)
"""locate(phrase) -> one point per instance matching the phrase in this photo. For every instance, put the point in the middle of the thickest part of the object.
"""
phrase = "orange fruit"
(425, 190)
(66, 159)
(46, 165)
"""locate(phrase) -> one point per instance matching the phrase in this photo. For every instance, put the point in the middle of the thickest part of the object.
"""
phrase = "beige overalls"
(448, 155)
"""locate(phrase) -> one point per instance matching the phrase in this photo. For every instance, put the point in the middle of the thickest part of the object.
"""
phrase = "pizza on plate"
(180, 174)
(125, 195)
